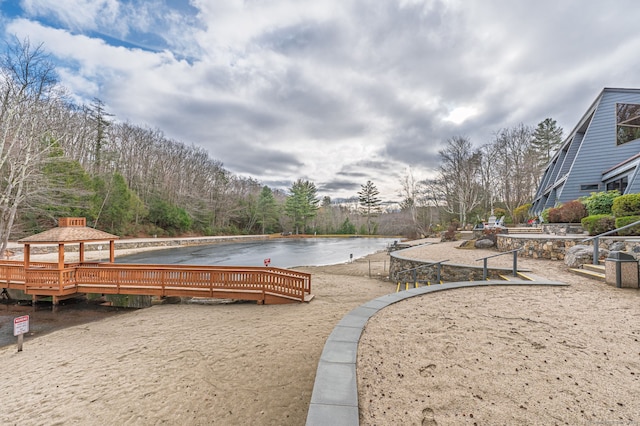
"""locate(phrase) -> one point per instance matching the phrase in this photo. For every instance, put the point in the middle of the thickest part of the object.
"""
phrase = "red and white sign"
(21, 325)
(267, 261)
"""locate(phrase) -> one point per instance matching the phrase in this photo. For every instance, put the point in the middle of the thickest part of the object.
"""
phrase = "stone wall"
(554, 247)
(135, 243)
(449, 272)
(563, 229)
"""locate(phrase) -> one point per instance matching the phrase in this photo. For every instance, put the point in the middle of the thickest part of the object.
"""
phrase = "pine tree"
(547, 138)
(302, 204)
(369, 202)
(268, 209)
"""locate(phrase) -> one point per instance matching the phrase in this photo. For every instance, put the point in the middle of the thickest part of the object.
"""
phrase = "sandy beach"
(497, 355)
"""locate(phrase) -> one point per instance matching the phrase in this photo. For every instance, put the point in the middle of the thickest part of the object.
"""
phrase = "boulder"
(468, 244)
(617, 246)
(578, 255)
(484, 243)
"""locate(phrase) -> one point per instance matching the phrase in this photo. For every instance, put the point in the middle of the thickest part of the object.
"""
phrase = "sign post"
(20, 327)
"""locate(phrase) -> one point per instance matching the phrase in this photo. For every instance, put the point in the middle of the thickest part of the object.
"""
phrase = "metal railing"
(515, 262)
(414, 271)
(596, 240)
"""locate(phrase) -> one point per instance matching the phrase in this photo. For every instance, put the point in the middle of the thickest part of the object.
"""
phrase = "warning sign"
(21, 325)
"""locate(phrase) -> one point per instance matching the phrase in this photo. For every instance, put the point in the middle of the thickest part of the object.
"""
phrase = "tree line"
(61, 159)
(499, 177)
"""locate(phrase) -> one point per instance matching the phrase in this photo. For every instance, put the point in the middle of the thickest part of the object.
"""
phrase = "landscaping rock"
(468, 244)
(617, 246)
(484, 243)
(578, 255)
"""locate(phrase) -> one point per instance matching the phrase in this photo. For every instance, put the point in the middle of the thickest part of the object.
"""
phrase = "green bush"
(599, 223)
(545, 215)
(626, 205)
(626, 220)
(600, 202)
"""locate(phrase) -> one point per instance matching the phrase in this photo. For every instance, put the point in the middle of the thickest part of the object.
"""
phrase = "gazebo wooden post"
(61, 256)
(27, 256)
(81, 250)
(112, 251)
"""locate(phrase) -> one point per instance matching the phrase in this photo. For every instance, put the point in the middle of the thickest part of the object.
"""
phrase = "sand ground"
(488, 356)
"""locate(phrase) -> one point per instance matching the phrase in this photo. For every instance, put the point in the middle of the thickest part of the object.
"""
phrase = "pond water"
(284, 252)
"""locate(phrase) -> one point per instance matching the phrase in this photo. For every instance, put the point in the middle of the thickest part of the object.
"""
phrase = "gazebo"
(70, 230)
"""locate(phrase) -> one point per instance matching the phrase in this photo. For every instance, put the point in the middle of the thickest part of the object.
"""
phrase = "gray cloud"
(338, 92)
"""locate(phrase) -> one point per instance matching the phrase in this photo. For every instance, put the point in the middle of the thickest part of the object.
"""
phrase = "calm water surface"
(284, 253)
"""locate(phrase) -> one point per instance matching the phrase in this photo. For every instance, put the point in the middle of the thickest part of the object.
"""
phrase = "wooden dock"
(265, 285)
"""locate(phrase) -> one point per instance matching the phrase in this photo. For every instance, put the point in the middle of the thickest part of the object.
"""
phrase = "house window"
(590, 187)
(619, 184)
(627, 123)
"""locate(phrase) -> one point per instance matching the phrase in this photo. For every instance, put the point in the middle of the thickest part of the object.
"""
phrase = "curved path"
(335, 392)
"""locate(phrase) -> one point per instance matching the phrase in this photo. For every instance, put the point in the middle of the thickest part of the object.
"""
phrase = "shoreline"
(243, 363)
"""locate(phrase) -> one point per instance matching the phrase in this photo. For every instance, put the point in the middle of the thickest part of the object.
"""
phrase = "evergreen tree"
(369, 202)
(268, 209)
(99, 117)
(117, 206)
(302, 203)
(547, 138)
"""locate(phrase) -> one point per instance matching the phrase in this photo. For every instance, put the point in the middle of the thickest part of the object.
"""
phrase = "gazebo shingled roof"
(70, 230)
(69, 235)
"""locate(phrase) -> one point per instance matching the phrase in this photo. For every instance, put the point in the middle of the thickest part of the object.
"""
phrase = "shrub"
(626, 220)
(521, 213)
(600, 202)
(554, 215)
(599, 223)
(545, 215)
(492, 234)
(626, 205)
(572, 212)
(450, 233)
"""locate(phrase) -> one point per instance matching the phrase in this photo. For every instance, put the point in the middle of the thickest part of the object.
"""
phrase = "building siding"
(586, 154)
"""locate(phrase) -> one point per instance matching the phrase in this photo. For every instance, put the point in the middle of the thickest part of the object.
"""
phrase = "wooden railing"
(251, 283)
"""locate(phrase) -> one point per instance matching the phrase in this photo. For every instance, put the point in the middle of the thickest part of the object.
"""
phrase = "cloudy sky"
(335, 91)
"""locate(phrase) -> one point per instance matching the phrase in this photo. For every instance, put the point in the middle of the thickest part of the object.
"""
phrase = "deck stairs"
(595, 272)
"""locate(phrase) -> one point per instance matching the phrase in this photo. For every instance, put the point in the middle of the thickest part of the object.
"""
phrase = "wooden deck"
(265, 285)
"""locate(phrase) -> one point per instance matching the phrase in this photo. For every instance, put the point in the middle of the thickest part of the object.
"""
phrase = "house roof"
(68, 234)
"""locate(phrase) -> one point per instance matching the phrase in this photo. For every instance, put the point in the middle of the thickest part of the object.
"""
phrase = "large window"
(627, 123)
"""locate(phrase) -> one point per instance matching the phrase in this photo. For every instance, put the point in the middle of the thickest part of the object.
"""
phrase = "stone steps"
(524, 230)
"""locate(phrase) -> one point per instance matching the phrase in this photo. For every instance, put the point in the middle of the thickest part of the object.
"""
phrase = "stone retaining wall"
(563, 229)
(554, 247)
(138, 243)
(449, 272)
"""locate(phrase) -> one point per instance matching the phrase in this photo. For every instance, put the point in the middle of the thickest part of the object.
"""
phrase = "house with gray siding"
(601, 153)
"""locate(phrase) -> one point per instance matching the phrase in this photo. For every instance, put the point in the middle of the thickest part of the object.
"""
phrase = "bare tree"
(30, 101)
(459, 176)
(517, 164)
